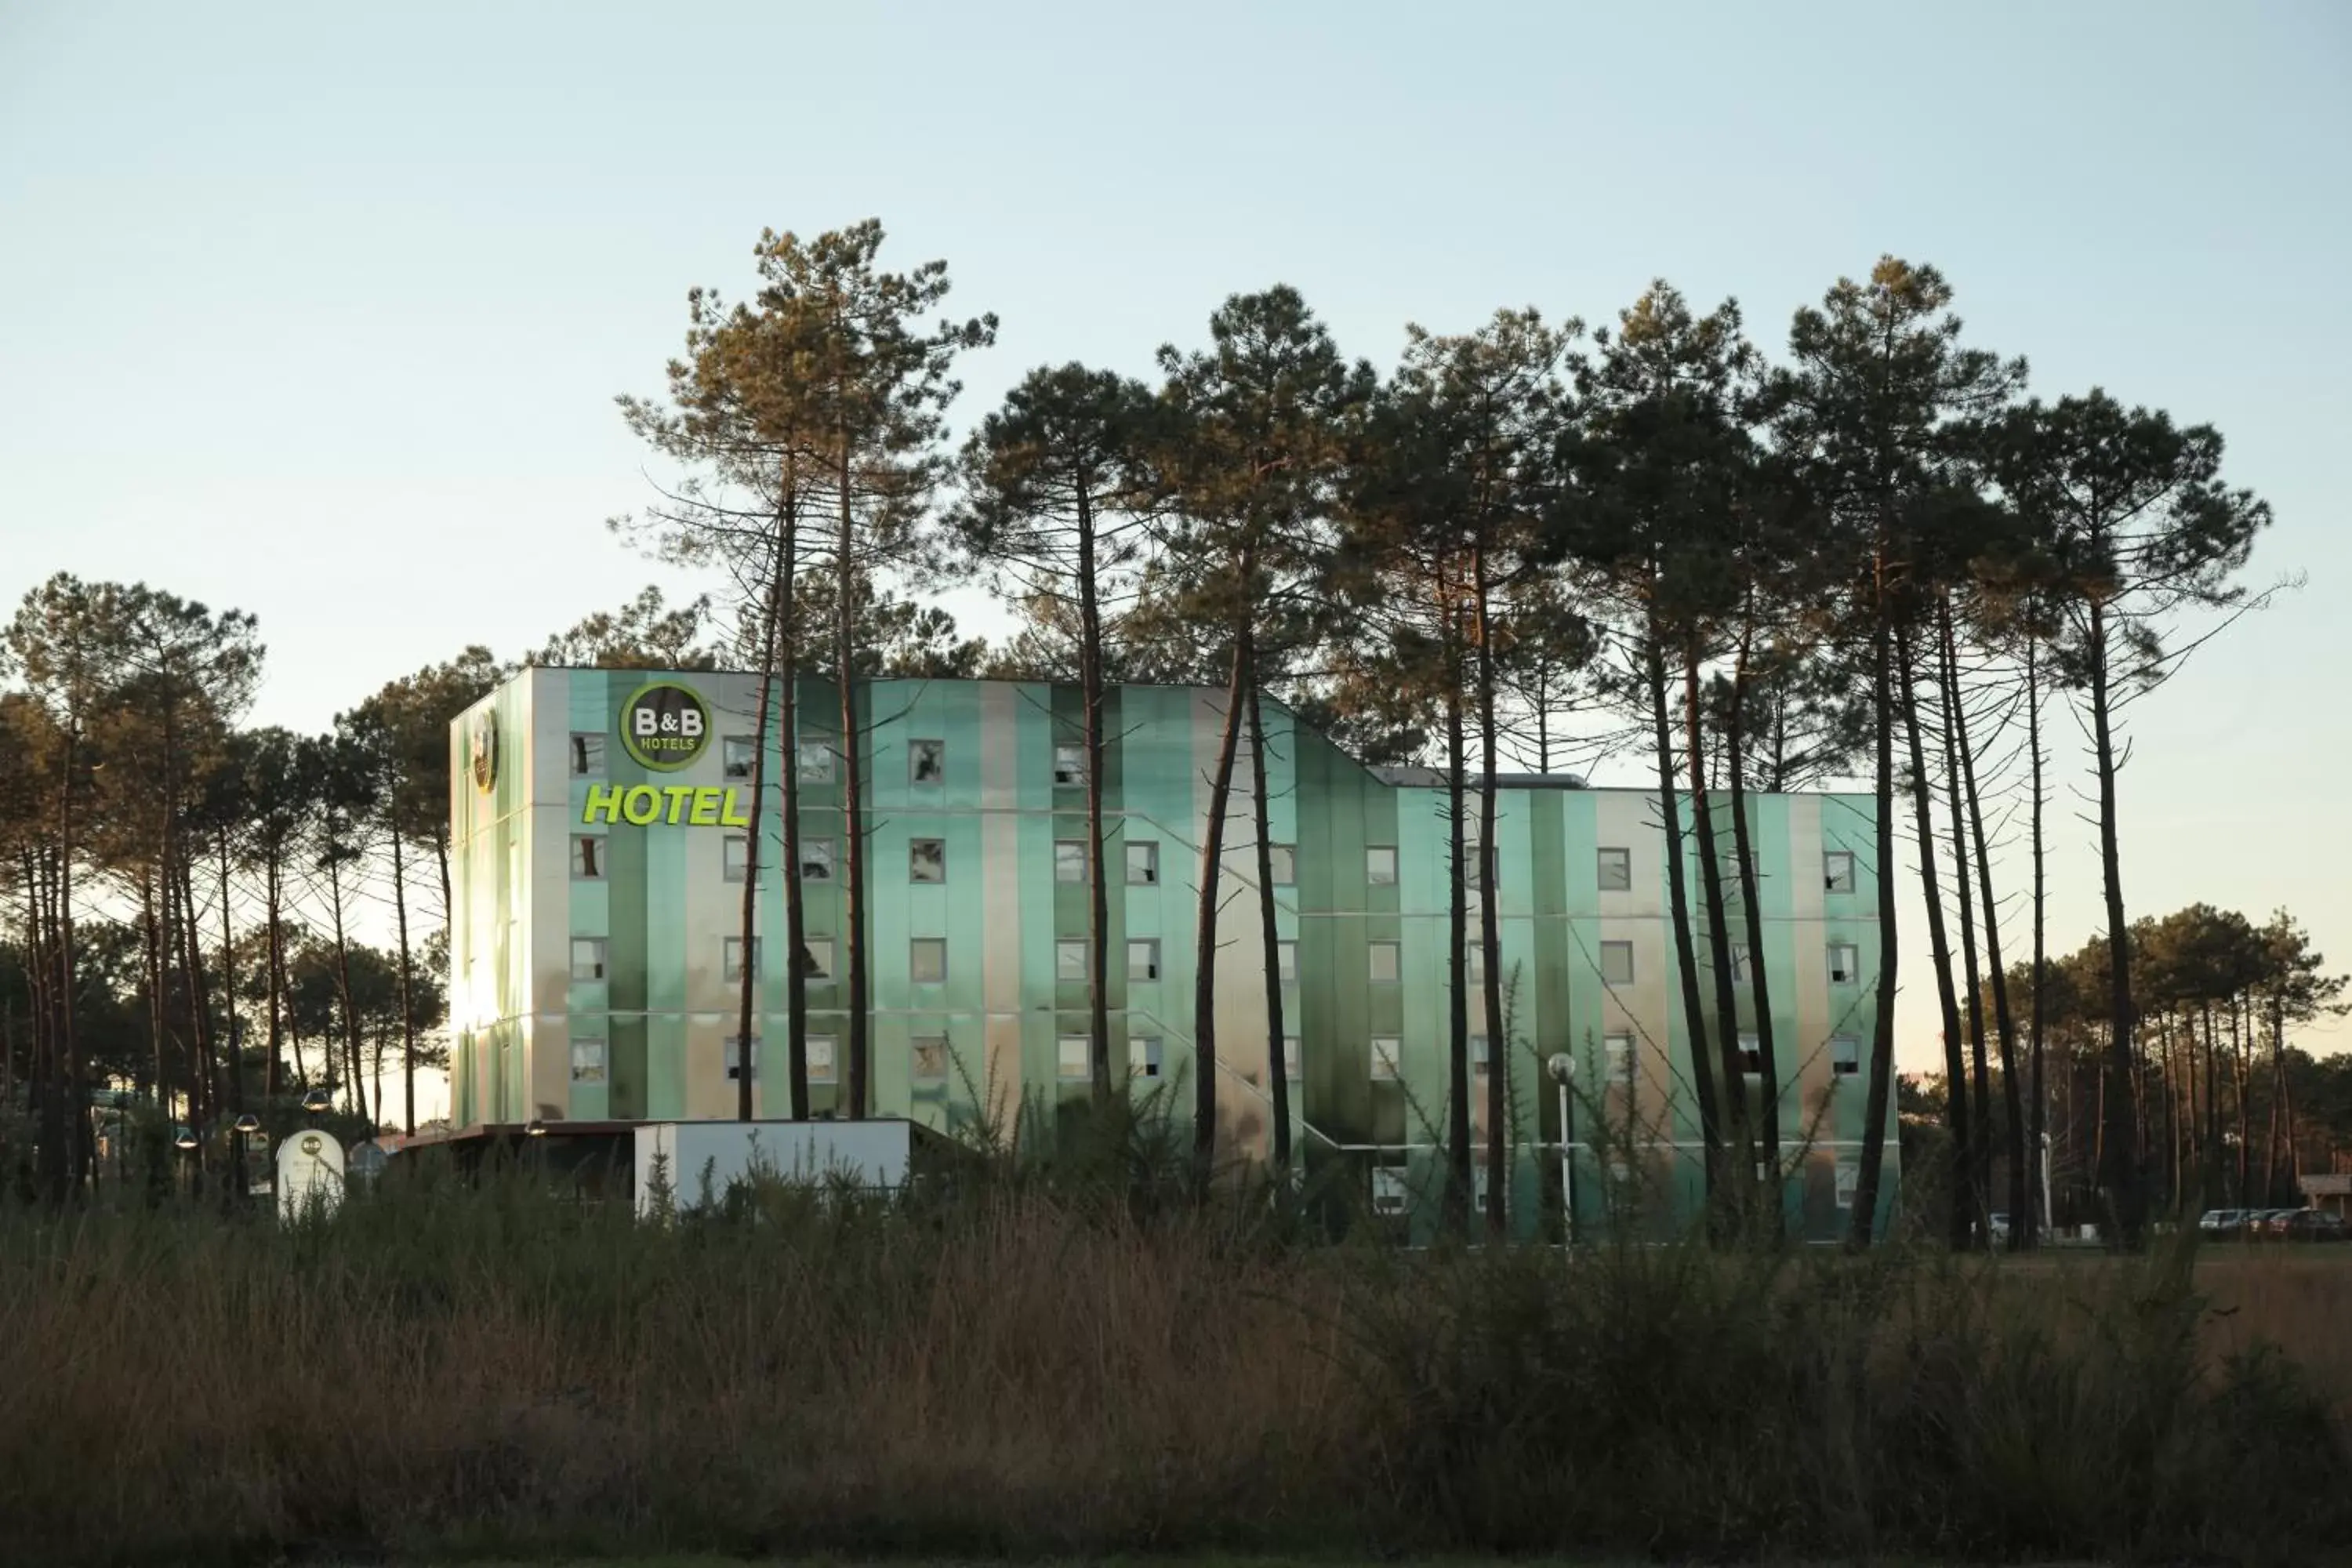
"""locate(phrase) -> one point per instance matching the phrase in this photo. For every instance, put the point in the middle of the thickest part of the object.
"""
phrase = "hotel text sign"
(641, 806)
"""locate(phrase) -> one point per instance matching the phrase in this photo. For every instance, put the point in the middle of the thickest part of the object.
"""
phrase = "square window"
(927, 859)
(1142, 863)
(1475, 957)
(587, 959)
(1845, 963)
(1291, 1070)
(735, 1058)
(587, 756)
(1143, 959)
(927, 762)
(820, 1058)
(1741, 968)
(1285, 960)
(1848, 1183)
(816, 860)
(1477, 1053)
(736, 754)
(817, 958)
(1070, 765)
(730, 962)
(1619, 1051)
(1073, 1057)
(815, 761)
(1617, 963)
(1837, 870)
(1845, 1055)
(1070, 962)
(1387, 1051)
(1283, 860)
(587, 1060)
(1386, 963)
(1388, 1189)
(1069, 860)
(735, 856)
(929, 1063)
(1381, 865)
(1616, 870)
(1143, 1056)
(587, 857)
(1751, 1055)
(927, 960)
(1474, 867)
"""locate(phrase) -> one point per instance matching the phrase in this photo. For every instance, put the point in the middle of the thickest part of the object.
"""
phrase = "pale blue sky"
(318, 311)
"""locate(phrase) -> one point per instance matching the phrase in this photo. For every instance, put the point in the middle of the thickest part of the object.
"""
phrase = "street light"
(1562, 1068)
(318, 1102)
(245, 1127)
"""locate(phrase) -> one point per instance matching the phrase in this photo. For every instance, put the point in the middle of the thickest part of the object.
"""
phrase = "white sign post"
(309, 1169)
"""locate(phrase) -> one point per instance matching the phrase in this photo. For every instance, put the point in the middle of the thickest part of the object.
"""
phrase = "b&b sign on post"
(309, 1170)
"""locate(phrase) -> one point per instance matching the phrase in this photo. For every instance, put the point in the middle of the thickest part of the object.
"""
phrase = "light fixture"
(247, 1125)
(185, 1140)
(536, 1130)
(318, 1101)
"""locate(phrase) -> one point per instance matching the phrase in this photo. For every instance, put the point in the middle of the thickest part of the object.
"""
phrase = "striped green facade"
(593, 979)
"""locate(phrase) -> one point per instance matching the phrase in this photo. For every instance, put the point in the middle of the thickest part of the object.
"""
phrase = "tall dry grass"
(446, 1371)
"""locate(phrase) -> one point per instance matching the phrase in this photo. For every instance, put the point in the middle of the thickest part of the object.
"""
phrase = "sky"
(319, 312)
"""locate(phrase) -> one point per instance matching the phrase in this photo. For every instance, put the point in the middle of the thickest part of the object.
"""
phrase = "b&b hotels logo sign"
(665, 727)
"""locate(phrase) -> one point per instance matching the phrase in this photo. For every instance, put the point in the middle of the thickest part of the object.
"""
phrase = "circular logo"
(664, 726)
(485, 751)
(310, 1144)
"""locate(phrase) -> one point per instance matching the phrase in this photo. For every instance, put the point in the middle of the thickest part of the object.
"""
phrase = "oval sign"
(666, 726)
(309, 1170)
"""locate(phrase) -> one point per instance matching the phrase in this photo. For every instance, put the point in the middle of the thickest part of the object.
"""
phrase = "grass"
(1035, 1370)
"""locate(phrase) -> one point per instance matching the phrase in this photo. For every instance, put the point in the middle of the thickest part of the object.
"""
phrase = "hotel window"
(1291, 1070)
(1751, 1055)
(1386, 1051)
(927, 762)
(1845, 1055)
(817, 958)
(930, 1059)
(816, 860)
(587, 1060)
(927, 859)
(731, 958)
(1143, 1056)
(1618, 1051)
(1388, 1190)
(734, 1049)
(1285, 960)
(1142, 863)
(1385, 963)
(1474, 867)
(1070, 765)
(1143, 959)
(1616, 870)
(815, 761)
(1475, 958)
(587, 958)
(587, 756)
(587, 857)
(1282, 860)
(736, 754)
(1478, 1053)
(1381, 865)
(1848, 1183)
(1070, 962)
(1837, 871)
(1740, 965)
(927, 960)
(1845, 963)
(1069, 860)
(820, 1058)
(735, 856)
(1617, 963)
(1073, 1057)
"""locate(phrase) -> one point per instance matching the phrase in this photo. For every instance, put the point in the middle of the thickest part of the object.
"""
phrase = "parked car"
(2314, 1225)
(2268, 1225)
(2217, 1224)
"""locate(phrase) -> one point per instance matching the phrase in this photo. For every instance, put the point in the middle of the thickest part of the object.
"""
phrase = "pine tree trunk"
(853, 812)
(229, 991)
(748, 922)
(2021, 1228)
(407, 989)
(788, 767)
(1865, 1222)
(2120, 1168)
(273, 1074)
(1703, 1088)
(1947, 684)
(1269, 932)
(1090, 698)
(2040, 906)
(1457, 945)
(1741, 1151)
(1963, 1219)
(343, 991)
(1205, 932)
(1767, 1054)
(1490, 939)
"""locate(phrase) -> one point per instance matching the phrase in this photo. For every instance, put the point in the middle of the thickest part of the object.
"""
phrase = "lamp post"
(245, 1128)
(1562, 1068)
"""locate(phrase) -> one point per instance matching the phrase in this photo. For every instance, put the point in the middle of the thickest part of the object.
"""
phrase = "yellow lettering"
(642, 804)
(732, 817)
(706, 807)
(679, 795)
(603, 804)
